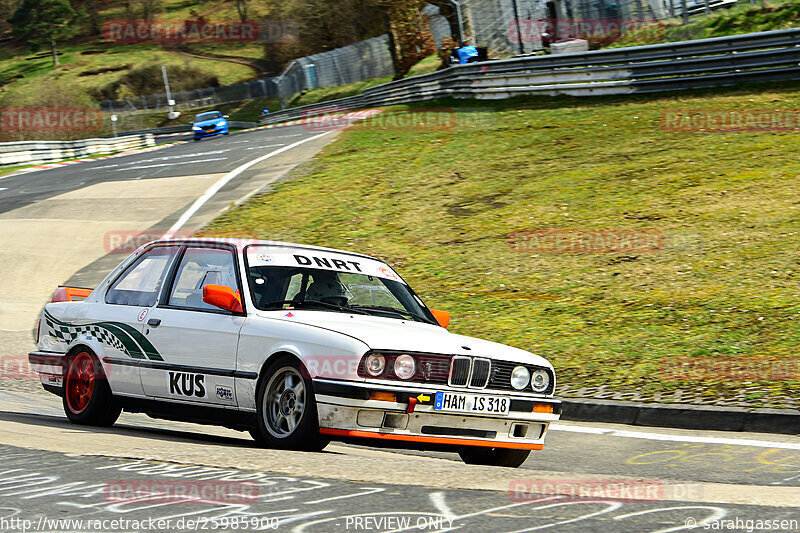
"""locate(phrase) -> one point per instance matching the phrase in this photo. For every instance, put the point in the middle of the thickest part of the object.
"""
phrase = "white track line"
(227, 178)
(157, 165)
(674, 438)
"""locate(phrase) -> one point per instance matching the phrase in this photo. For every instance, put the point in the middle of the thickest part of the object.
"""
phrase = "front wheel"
(494, 456)
(87, 396)
(287, 409)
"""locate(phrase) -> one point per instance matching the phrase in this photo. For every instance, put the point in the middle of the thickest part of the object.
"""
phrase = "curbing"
(683, 416)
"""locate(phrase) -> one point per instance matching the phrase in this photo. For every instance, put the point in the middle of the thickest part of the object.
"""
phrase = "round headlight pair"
(404, 366)
(521, 377)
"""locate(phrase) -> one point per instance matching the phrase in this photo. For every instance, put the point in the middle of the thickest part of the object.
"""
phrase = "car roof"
(241, 244)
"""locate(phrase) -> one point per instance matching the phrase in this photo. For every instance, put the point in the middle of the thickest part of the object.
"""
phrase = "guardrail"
(187, 128)
(35, 152)
(702, 63)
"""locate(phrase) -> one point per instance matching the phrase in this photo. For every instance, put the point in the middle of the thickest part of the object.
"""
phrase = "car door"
(116, 321)
(197, 341)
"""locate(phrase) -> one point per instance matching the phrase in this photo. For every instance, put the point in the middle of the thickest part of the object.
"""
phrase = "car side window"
(200, 267)
(140, 283)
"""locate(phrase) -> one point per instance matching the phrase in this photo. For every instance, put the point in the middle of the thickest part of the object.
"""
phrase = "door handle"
(154, 322)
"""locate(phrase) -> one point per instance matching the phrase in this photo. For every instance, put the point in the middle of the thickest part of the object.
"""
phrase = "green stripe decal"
(118, 335)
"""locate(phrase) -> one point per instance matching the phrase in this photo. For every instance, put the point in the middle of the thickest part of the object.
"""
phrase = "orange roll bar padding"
(70, 294)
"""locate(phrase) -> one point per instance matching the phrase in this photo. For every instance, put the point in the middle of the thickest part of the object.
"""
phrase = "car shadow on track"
(130, 430)
(125, 429)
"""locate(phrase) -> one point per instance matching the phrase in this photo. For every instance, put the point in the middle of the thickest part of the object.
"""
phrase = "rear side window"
(200, 267)
(140, 283)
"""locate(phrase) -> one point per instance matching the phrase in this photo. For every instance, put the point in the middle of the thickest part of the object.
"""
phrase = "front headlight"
(221, 123)
(196, 128)
(405, 367)
(374, 364)
(540, 380)
(520, 377)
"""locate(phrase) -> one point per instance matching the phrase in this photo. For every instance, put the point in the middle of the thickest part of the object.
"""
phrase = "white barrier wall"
(35, 152)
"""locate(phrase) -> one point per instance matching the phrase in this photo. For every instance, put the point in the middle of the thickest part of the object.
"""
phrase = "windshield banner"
(319, 259)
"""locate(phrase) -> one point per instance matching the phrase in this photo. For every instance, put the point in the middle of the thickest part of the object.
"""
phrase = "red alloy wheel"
(80, 382)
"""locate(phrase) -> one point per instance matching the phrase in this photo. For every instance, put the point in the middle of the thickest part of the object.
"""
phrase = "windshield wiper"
(401, 312)
(314, 302)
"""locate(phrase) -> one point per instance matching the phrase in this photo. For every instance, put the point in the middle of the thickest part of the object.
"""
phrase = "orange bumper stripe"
(428, 440)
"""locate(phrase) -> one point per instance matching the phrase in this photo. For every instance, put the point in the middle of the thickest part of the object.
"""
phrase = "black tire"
(494, 456)
(196, 139)
(287, 415)
(95, 407)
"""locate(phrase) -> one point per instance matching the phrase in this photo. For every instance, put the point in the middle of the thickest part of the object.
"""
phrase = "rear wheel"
(494, 456)
(87, 396)
(287, 409)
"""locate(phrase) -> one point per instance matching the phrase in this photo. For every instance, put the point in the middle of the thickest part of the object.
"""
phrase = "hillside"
(745, 18)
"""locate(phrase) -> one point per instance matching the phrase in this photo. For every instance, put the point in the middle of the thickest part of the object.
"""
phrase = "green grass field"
(81, 66)
(440, 204)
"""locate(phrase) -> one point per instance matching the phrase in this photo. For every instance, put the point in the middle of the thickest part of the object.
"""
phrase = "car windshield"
(207, 116)
(296, 287)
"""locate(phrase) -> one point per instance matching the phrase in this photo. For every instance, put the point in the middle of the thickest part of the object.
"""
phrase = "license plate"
(472, 403)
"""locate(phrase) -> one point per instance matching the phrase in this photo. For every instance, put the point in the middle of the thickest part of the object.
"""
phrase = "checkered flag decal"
(68, 334)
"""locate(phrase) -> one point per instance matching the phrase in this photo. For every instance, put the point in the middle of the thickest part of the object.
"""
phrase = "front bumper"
(346, 411)
(210, 132)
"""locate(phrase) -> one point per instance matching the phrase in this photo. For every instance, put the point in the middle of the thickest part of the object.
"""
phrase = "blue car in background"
(208, 124)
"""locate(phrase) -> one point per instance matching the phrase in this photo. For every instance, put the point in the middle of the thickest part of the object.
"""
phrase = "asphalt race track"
(52, 229)
(60, 225)
(212, 155)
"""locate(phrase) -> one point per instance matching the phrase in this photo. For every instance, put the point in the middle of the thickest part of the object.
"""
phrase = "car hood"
(207, 122)
(381, 333)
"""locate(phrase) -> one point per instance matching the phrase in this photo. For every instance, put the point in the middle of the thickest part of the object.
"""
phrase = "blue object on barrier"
(465, 53)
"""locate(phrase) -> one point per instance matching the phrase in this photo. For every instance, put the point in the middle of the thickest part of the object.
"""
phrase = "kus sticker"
(187, 385)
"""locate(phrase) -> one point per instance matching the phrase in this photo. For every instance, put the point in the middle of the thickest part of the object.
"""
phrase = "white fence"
(35, 152)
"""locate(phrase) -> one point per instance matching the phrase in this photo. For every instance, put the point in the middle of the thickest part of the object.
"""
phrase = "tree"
(150, 8)
(241, 7)
(410, 33)
(91, 9)
(44, 23)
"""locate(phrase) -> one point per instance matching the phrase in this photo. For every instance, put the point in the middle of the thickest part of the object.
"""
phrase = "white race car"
(296, 344)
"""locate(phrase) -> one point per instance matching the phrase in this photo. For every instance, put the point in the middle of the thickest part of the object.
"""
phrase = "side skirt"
(198, 414)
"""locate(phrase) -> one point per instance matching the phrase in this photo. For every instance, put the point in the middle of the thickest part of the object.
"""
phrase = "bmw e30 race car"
(298, 345)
